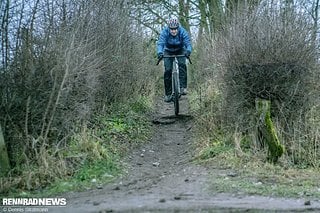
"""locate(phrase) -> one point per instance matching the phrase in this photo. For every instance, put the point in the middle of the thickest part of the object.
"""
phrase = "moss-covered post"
(4, 159)
(267, 130)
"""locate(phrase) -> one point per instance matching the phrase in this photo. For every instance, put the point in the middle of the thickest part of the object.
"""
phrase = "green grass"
(88, 176)
(252, 174)
(245, 171)
(268, 184)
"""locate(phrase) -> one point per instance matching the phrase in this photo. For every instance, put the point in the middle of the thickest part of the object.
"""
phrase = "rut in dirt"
(158, 172)
(169, 149)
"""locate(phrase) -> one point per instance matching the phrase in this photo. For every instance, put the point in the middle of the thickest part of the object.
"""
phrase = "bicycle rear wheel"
(176, 92)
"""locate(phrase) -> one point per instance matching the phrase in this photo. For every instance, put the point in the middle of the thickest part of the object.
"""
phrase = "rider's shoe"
(183, 91)
(167, 98)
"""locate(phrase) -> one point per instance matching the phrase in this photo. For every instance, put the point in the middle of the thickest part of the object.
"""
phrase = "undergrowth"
(91, 157)
(243, 166)
(261, 54)
(249, 174)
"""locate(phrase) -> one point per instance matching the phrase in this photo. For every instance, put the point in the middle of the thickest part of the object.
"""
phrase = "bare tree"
(5, 6)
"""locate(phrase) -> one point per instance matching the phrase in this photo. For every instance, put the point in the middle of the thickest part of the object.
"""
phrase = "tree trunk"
(267, 131)
(315, 16)
(184, 14)
(4, 159)
(215, 8)
(5, 35)
(203, 27)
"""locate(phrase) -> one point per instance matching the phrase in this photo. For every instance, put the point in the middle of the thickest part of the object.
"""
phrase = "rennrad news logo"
(34, 202)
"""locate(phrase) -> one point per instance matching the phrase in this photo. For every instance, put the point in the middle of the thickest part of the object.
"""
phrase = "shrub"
(66, 73)
(263, 53)
(270, 54)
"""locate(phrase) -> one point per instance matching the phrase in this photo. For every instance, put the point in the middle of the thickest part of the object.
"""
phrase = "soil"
(161, 177)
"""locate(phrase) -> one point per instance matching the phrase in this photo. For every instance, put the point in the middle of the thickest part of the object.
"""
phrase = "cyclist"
(174, 40)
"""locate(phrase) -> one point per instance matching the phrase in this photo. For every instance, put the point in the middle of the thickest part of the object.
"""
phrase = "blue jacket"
(170, 43)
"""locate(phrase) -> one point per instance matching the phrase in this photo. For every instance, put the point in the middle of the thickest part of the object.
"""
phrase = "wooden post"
(267, 130)
(4, 159)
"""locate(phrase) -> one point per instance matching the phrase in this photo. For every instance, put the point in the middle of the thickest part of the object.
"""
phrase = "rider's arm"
(186, 40)
(162, 41)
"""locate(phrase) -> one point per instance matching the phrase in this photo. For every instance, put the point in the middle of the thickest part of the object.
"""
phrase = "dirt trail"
(162, 178)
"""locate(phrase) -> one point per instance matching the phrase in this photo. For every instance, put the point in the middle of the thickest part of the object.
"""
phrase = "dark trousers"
(168, 64)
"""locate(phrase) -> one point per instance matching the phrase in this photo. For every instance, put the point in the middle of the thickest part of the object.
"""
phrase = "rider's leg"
(168, 76)
(182, 73)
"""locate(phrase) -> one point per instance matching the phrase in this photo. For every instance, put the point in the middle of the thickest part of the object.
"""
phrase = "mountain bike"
(175, 81)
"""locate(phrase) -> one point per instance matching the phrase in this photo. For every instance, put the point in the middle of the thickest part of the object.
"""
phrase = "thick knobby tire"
(176, 94)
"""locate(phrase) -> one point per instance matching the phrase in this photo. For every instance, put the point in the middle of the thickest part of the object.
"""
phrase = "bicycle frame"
(175, 85)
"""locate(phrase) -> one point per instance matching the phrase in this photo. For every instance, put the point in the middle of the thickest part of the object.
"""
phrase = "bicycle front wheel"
(176, 92)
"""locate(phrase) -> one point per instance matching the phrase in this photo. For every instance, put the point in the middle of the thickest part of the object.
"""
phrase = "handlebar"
(174, 56)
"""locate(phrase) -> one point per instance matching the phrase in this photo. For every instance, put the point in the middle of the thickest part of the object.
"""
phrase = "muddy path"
(161, 177)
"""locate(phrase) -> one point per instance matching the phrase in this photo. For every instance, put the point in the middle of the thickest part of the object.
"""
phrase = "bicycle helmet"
(173, 23)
